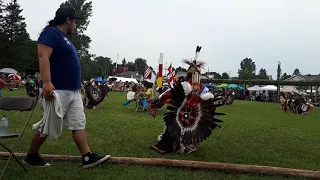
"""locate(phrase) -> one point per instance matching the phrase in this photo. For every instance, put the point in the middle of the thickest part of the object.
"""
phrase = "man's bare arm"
(44, 53)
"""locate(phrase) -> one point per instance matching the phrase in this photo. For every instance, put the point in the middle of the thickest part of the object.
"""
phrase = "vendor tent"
(99, 79)
(8, 71)
(288, 89)
(117, 79)
(255, 88)
(222, 86)
(208, 85)
(233, 86)
(269, 88)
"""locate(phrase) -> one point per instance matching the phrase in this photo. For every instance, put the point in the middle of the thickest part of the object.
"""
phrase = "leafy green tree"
(296, 72)
(1, 16)
(124, 62)
(225, 75)
(14, 25)
(279, 71)
(285, 76)
(131, 66)
(20, 51)
(3, 38)
(141, 65)
(262, 74)
(180, 69)
(217, 75)
(247, 69)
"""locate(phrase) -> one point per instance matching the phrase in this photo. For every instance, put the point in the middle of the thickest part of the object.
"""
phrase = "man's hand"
(47, 90)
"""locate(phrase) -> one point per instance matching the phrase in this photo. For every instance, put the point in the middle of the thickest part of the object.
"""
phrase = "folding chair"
(16, 103)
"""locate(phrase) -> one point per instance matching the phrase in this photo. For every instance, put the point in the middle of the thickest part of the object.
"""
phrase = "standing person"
(61, 72)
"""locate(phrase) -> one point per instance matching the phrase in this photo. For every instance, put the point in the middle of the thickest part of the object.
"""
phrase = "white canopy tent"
(123, 79)
(255, 88)
(8, 71)
(289, 89)
(270, 88)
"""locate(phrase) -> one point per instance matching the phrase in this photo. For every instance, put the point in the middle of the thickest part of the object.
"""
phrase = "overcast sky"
(267, 31)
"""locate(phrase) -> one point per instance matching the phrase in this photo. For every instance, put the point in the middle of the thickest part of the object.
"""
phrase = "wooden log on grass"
(228, 167)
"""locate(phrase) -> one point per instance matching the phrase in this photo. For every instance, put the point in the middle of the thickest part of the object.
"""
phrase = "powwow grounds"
(252, 133)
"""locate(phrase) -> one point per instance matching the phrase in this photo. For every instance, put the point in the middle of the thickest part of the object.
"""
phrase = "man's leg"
(80, 138)
(36, 142)
(75, 120)
(33, 157)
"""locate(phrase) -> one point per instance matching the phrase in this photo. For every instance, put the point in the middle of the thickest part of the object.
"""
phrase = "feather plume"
(191, 63)
(186, 61)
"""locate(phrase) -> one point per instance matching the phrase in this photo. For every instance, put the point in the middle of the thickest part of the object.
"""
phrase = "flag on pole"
(147, 72)
(171, 77)
(153, 78)
(160, 62)
(170, 69)
(171, 74)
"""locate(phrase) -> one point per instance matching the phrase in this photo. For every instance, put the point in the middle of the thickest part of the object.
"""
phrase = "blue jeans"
(0, 92)
(143, 102)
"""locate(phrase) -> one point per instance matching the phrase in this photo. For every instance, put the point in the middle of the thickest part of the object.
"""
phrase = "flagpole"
(117, 64)
(160, 65)
(165, 70)
(117, 60)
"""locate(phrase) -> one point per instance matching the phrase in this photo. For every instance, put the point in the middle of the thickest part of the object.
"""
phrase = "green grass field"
(253, 133)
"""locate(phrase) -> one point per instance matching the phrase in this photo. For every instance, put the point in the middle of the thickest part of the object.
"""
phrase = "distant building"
(131, 74)
(209, 75)
(308, 77)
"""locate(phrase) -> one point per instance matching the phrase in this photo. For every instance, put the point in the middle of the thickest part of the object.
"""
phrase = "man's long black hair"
(55, 22)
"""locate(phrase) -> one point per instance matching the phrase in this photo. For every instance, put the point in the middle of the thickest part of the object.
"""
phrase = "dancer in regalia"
(192, 109)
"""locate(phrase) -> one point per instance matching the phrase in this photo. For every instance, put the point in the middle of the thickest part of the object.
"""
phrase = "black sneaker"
(92, 159)
(35, 159)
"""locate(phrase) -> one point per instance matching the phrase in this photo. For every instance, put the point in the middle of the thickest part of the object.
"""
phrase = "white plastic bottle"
(4, 123)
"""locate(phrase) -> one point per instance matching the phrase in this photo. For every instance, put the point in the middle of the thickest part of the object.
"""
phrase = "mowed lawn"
(253, 133)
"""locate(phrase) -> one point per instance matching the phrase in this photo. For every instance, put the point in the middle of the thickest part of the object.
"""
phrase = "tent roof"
(124, 79)
(8, 71)
(254, 88)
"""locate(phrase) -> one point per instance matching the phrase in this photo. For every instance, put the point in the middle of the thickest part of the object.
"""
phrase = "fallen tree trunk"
(228, 167)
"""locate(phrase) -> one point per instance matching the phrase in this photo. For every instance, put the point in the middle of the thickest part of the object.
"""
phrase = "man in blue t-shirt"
(61, 73)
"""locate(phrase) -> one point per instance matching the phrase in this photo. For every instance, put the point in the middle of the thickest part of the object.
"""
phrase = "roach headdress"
(194, 70)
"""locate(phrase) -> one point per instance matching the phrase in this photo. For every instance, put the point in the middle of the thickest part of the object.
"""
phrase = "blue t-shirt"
(64, 61)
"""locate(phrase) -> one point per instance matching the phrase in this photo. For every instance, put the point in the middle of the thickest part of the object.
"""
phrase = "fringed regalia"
(93, 95)
(191, 113)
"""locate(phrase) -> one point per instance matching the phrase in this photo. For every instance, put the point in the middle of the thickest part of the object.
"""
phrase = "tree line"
(19, 51)
(248, 71)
